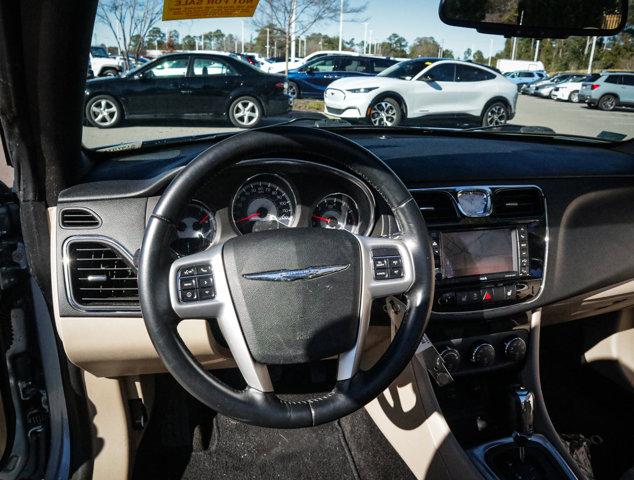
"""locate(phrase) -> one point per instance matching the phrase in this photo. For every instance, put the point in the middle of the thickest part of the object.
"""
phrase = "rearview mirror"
(543, 19)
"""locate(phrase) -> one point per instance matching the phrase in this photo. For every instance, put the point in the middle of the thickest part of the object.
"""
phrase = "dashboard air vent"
(100, 276)
(79, 218)
(436, 206)
(517, 202)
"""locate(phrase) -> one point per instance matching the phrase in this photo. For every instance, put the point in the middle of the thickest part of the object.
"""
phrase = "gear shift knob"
(524, 409)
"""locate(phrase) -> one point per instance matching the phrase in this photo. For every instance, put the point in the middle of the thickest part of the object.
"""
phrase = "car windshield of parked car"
(396, 65)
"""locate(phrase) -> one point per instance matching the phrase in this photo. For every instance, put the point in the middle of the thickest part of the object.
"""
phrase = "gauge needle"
(204, 218)
(249, 217)
(321, 219)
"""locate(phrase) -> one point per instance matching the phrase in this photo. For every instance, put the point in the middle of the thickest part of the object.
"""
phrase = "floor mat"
(185, 440)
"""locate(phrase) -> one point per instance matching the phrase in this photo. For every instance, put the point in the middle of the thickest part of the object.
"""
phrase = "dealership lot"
(562, 117)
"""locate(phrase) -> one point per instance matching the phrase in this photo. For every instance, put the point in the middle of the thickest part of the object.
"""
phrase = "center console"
(492, 252)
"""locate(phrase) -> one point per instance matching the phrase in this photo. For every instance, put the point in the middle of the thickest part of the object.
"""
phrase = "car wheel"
(552, 96)
(245, 112)
(103, 111)
(574, 97)
(607, 103)
(110, 72)
(386, 113)
(292, 90)
(495, 115)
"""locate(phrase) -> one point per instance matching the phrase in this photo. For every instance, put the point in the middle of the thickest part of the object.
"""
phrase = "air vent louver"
(517, 202)
(100, 276)
(79, 218)
(436, 206)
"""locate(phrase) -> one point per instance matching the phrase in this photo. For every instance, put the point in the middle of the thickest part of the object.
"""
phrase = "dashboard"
(515, 224)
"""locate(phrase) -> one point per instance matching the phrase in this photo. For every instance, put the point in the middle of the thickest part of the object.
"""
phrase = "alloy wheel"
(383, 114)
(495, 116)
(104, 112)
(608, 103)
(574, 97)
(246, 113)
(291, 90)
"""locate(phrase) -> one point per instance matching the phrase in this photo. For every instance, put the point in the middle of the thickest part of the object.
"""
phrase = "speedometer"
(264, 202)
(337, 211)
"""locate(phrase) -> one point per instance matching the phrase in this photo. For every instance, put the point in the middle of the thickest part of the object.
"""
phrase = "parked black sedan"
(187, 85)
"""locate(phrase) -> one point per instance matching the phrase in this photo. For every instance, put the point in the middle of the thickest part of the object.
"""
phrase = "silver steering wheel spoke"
(199, 290)
(387, 268)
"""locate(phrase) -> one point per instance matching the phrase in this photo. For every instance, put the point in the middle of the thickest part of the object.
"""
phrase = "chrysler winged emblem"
(299, 274)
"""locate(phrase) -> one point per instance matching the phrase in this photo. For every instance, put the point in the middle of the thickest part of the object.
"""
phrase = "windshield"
(406, 70)
(156, 80)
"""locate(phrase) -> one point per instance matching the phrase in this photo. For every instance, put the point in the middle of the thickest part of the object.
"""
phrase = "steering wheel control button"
(189, 295)
(396, 272)
(381, 274)
(187, 271)
(205, 282)
(380, 263)
(203, 269)
(387, 263)
(206, 293)
(187, 283)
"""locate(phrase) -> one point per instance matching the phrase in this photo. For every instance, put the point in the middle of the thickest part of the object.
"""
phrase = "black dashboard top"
(416, 158)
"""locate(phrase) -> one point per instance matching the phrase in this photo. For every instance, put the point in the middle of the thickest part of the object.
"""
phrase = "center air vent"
(100, 276)
(436, 206)
(517, 202)
(79, 218)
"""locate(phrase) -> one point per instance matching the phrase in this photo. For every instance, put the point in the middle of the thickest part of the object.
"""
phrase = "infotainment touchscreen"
(478, 252)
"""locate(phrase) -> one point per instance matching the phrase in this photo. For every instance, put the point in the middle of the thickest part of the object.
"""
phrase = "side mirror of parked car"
(311, 69)
(426, 78)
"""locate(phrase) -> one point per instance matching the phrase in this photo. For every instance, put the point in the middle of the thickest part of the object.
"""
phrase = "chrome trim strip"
(542, 286)
(67, 281)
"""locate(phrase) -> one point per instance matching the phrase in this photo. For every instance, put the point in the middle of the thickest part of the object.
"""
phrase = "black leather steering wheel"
(278, 308)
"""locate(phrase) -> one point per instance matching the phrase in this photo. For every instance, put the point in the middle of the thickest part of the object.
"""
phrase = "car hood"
(103, 82)
(367, 82)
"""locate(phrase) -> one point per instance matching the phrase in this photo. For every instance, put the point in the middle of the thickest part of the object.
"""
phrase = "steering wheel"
(287, 296)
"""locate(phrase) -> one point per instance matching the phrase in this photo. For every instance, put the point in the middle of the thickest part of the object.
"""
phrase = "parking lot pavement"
(563, 117)
(572, 118)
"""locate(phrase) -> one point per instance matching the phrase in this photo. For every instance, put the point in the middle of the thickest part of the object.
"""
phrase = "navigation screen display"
(478, 252)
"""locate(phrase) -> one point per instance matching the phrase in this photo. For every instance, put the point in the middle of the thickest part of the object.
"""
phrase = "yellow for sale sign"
(188, 9)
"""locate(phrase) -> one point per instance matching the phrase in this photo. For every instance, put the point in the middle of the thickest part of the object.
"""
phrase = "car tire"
(574, 97)
(103, 111)
(293, 90)
(385, 112)
(607, 103)
(245, 112)
(495, 114)
(110, 72)
(552, 96)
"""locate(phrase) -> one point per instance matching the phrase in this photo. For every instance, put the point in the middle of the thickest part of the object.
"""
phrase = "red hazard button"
(486, 294)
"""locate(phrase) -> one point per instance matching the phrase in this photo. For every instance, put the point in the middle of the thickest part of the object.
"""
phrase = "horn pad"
(296, 292)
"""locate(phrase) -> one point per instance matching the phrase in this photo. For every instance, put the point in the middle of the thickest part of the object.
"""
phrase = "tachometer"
(195, 230)
(264, 202)
(337, 211)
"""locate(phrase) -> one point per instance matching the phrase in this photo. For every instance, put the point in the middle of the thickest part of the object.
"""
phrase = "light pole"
(292, 28)
(594, 44)
(490, 52)
(242, 25)
(340, 24)
(370, 43)
(365, 37)
(267, 44)
(536, 51)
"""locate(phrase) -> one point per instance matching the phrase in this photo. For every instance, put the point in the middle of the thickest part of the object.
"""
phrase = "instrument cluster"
(256, 197)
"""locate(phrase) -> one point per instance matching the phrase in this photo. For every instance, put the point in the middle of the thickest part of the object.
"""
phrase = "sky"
(408, 18)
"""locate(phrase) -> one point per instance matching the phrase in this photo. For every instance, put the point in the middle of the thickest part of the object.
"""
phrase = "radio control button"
(380, 263)
(381, 274)
(187, 271)
(396, 272)
(189, 295)
(448, 298)
(462, 298)
(187, 283)
(474, 296)
(395, 262)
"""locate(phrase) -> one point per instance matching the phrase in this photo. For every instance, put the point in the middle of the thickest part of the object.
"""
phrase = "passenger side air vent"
(100, 276)
(79, 218)
(517, 202)
(436, 206)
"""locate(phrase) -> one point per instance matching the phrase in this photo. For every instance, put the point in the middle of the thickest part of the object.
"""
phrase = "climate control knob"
(515, 348)
(482, 354)
(451, 357)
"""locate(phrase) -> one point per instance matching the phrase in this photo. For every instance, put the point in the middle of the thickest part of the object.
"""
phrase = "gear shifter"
(523, 399)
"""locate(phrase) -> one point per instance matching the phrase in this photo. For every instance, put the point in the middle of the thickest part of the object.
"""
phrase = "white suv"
(424, 87)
